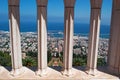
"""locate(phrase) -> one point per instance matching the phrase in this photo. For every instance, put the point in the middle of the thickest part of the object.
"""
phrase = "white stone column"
(14, 23)
(94, 36)
(114, 44)
(42, 36)
(68, 37)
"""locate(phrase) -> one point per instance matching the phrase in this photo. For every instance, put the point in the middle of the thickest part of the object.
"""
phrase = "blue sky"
(56, 11)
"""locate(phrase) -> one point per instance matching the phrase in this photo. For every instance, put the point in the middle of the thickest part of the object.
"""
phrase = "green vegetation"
(79, 60)
(31, 59)
(32, 54)
(49, 56)
(5, 59)
(61, 56)
(101, 62)
(29, 62)
(76, 46)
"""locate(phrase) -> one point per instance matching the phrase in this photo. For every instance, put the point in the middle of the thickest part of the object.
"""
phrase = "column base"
(17, 72)
(67, 73)
(41, 73)
(92, 72)
(1, 69)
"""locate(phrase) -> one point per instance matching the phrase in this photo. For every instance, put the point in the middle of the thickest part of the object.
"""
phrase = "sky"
(28, 11)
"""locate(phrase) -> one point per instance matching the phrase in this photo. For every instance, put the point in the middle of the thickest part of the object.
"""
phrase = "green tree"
(79, 60)
(32, 54)
(101, 62)
(29, 62)
(49, 56)
(5, 59)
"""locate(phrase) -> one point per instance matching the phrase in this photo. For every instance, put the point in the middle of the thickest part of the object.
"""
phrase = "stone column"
(94, 36)
(114, 44)
(14, 23)
(42, 36)
(68, 37)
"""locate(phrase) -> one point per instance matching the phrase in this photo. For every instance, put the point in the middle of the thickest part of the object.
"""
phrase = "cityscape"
(29, 43)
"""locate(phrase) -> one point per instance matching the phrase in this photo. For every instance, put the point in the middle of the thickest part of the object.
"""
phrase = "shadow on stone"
(57, 68)
(32, 68)
(82, 68)
(105, 70)
(8, 68)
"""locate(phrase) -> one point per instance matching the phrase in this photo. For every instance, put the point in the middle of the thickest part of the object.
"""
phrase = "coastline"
(59, 34)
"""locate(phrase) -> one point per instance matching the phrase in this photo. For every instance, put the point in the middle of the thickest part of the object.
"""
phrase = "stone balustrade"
(67, 70)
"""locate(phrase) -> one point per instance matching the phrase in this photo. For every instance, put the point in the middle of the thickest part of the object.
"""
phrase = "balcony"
(42, 71)
(55, 73)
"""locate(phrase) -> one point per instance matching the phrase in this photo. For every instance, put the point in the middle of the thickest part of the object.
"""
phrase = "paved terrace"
(54, 73)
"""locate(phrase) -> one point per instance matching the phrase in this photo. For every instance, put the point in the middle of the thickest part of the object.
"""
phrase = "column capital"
(69, 3)
(96, 4)
(42, 3)
(13, 2)
(116, 4)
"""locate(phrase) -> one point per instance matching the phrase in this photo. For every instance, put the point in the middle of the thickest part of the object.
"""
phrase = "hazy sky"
(56, 11)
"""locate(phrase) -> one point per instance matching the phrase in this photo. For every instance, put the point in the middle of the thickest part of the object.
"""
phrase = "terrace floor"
(54, 73)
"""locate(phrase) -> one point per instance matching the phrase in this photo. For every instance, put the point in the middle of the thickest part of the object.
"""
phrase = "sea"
(81, 29)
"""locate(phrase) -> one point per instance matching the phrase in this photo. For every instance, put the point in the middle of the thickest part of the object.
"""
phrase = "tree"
(101, 62)
(49, 56)
(29, 62)
(5, 59)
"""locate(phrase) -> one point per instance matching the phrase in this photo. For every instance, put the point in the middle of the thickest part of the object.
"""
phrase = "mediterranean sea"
(79, 28)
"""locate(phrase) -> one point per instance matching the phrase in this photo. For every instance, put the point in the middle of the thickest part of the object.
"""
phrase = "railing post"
(68, 37)
(94, 36)
(114, 44)
(42, 36)
(14, 24)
